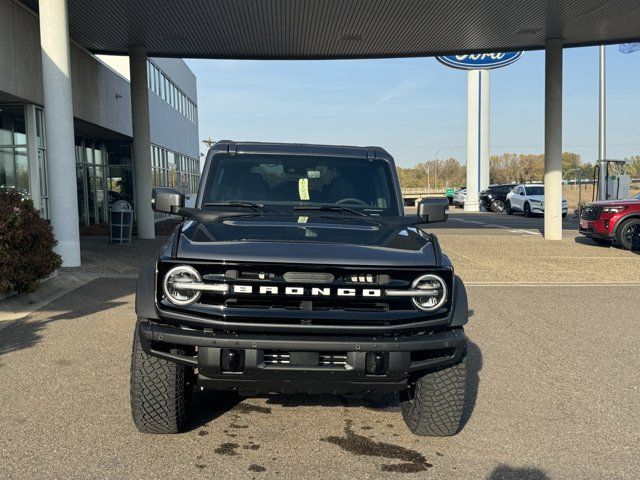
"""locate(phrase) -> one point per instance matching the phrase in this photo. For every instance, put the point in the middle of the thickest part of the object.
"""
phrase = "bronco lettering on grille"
(315, 291)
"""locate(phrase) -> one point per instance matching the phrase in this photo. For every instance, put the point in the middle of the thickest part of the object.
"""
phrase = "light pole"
(435, 172)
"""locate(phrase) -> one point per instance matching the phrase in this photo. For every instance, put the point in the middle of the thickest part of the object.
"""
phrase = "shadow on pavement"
(474, 365)
(507, 472)
(96, 296)
(207, 405)
(590, 242)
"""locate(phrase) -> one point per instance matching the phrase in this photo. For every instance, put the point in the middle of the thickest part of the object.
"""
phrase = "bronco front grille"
(591, 213)
(312, 295)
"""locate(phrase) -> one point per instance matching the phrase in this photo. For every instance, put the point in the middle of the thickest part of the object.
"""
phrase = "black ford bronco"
(298, 271)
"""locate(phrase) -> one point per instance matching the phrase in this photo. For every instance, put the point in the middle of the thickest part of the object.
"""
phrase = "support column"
(553, 141)
(485, 96)
(477, 137)
(58, 115)
(141, 142)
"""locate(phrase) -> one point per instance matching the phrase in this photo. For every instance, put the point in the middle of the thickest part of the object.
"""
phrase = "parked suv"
(494, 198)
(460, 197)
(528, 198)
(297, 271)
(613, 221)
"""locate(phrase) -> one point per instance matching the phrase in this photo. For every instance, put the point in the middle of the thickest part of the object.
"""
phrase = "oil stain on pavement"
(412, 461)
(227, 449)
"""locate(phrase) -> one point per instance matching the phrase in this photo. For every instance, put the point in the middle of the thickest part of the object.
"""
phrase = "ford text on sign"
(480, 61)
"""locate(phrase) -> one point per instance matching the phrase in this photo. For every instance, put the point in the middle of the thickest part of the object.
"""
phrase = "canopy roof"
(297, 29)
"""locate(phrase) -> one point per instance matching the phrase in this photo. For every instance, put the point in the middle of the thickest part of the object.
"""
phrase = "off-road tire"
(497, 206)
(436, 403)
(623, 233)
(159, 392)
(507, 208)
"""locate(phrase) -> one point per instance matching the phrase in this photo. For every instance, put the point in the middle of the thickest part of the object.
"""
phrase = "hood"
(540, 198)
(314, 238)
(628, 201)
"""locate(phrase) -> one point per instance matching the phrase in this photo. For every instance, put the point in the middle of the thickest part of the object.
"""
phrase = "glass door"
(81, 184)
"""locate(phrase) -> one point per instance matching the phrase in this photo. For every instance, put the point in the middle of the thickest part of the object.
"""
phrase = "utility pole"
(208, 142)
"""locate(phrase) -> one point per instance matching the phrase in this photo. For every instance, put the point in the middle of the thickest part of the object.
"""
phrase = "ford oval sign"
(480, 61)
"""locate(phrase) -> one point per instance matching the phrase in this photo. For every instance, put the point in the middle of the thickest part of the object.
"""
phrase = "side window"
(523, 191)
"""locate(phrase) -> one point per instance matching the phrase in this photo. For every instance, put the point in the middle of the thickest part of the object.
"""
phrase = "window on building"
(14, 161)
(161, 85)
(170, 169)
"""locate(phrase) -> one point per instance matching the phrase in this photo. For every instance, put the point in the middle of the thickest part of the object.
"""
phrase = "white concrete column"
(141, 142)
(485, 96)
(553, 141)
(58, 116)
(477, 137)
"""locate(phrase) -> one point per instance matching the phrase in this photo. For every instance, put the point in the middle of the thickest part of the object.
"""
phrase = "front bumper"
(403, 356)
(600, 229)
(484, 201)
(540, 209)
(593, 233)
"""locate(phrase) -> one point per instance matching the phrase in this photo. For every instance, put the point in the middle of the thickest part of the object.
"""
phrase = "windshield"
(362, 185)
(535, 190)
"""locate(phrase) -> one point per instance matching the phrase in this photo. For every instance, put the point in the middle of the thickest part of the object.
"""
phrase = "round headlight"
(432, 283)
(175, 285)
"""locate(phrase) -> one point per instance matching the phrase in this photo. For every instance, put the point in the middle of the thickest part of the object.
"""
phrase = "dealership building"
(72, 151)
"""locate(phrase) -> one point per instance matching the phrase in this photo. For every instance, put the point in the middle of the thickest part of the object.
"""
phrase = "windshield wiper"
(329, 208)
(254, 206)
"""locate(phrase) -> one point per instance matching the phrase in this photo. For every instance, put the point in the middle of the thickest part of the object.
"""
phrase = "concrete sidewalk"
(99, 259)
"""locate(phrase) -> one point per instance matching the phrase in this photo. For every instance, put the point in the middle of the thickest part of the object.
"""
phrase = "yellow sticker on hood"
(303, 188)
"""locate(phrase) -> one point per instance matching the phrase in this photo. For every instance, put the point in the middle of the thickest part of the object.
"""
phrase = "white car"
(459, 197)
(528, 198)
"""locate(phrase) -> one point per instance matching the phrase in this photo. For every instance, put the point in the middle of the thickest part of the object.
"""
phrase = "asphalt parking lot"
(481, 223)
(554, 384)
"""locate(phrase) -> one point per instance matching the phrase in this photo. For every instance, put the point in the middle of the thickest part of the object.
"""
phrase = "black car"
(494, 198)
(297, 271)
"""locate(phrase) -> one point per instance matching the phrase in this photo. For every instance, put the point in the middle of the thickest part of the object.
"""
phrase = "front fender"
(146, 293)
(460, 315)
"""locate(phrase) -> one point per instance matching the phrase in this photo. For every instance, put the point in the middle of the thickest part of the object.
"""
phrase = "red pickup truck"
(612, 221)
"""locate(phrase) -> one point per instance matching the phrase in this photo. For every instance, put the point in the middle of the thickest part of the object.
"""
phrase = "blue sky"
(415, 108)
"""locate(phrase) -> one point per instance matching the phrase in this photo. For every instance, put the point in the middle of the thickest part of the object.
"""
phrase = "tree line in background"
(505, 168)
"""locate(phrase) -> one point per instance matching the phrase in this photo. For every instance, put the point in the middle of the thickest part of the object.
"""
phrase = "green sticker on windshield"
(303, 188)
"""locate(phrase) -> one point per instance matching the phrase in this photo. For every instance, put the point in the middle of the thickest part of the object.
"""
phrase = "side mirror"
(166, 200)
(433, 210)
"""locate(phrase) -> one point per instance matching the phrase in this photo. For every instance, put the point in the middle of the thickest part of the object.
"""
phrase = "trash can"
(120, 222)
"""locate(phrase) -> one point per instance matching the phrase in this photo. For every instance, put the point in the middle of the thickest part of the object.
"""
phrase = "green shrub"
(26, 245)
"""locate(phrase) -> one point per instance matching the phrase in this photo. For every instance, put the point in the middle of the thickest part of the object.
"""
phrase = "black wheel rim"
(631, 236)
